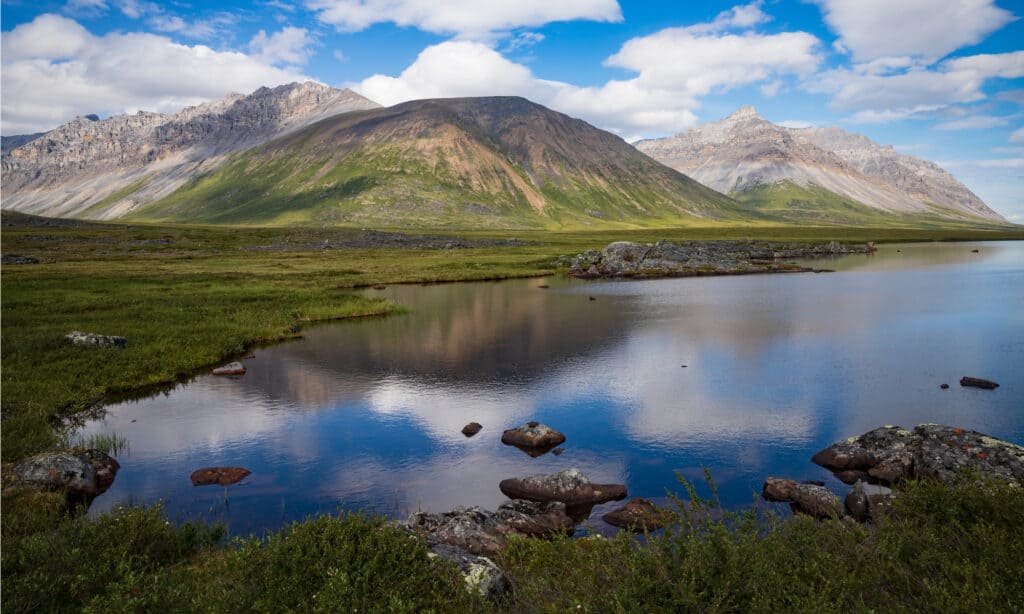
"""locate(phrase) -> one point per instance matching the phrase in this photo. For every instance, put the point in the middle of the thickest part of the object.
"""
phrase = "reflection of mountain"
(463, 334)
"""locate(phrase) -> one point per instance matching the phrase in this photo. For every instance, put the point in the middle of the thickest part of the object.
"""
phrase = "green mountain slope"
(500, 162)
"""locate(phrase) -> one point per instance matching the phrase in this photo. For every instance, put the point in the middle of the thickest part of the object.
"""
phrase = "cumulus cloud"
(674, 68)
(466, 18)
(292, 46)
(871, 29)
(54, 69)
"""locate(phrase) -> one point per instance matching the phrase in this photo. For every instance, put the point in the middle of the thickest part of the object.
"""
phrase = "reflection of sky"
(367, 415)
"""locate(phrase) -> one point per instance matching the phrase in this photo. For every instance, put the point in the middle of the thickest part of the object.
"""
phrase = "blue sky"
(940, 79)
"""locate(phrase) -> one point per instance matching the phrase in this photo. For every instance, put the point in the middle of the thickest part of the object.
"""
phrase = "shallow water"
(367, 414)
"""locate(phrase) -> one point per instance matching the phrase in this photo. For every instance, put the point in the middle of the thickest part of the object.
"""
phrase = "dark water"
(366, 414)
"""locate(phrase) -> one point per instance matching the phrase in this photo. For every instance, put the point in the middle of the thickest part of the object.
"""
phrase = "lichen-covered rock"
(480, 573)
(533, 436)
(93, 340)
(66, 471)
(484, 532)
(890, 453)
(224, 476)
(232, 368)
(638, 515)
(803, 497)
(868, 501)
(570, 487)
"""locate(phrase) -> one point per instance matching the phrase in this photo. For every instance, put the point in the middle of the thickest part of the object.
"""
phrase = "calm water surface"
(366, 414)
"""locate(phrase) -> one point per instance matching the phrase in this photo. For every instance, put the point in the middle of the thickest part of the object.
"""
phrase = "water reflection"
(368, 414)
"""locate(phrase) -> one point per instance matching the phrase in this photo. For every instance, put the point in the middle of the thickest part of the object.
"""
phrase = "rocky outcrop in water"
(638, 515)
(81, 474)
(694, 258)
(533, 436)
(890, 454)
(570, 487)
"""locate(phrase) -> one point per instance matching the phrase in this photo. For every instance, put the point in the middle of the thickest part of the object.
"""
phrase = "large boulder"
(77, 337)
(890, 454)
(483, 532)
(480, 573)
(79, 474)
(533, 437)
(570, 487)
(804, 497)
(638, 515)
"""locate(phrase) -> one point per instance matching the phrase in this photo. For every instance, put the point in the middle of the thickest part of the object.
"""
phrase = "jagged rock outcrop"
(133, 159)
(744, 152)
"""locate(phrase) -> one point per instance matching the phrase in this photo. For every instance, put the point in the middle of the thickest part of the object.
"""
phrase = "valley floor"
(188, 298)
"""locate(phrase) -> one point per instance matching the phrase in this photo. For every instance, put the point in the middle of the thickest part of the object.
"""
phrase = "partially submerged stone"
(480, 573)
(224, 476)
(232, 368)
(570, 487)
(638, 515)
(533, 436)
(79, 474)
(483, 532)
(472, 429)
(803, 497)
(77, 337)
(977, 382)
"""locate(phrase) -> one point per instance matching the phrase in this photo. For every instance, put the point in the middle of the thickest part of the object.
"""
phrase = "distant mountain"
(816, 174)
(104, 168)
(499, 162)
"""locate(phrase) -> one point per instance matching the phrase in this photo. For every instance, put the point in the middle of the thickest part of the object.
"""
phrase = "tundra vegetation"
(190, 297)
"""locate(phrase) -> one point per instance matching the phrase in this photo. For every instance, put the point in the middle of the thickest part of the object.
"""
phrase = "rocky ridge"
(745, 151)
(146, 155)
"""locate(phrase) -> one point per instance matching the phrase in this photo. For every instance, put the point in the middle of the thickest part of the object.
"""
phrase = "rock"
(66, 471)
(977, 382)
(543, 286)
(94, 340)
(890, 454)
(480, 573)
(533, 436)
(558, 451)
(106, 468)
(868, 501)
(638, 515)
(944, 386)
(18, 259)
(232, 368)
(570, 487)
(974, 251)
(379, 287)
(225, 476)
(810, 499)
(483, 532)
(472, 429)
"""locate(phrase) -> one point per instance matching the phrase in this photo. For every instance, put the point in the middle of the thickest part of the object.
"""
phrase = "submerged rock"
(232, 368)
(804, 498)
(890, 454)
(533, 436)
(977, 382)
(80, 474)
(480, 573)
(224, 476)
(570, 487)
(638, 515)
(483, 532)
(93, 340)
(472, 429)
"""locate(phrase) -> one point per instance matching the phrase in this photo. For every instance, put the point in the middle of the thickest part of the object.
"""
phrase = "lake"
(366, 415)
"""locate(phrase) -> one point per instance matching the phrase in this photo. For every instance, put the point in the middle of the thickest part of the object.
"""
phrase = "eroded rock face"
(890, 453)
(224, 476)
(533, 436)
(638, 515)
(691, 258)
(570, 487)
(803, 497)
(480, 573)
(232, 368)
(80, 474)
(483, 532)
(93, 340)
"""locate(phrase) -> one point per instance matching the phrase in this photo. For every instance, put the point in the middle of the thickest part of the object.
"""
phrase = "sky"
(938, 79)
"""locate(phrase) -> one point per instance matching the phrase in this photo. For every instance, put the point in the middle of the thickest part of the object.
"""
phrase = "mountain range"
(311, 154)
(814, 172)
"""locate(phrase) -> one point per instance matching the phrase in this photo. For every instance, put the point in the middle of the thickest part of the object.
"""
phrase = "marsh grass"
(109, 443)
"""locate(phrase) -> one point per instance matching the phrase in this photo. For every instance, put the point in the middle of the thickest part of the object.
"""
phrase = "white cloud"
(738, 17)
(136, 9)
(54, 69)
(872, 29)
(975, 122)
(292, 46)
(90, 8)
(1014, 96)
(1017, 136)
(797, 124)
(675, 68)
(201, 29)
(466, 18)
